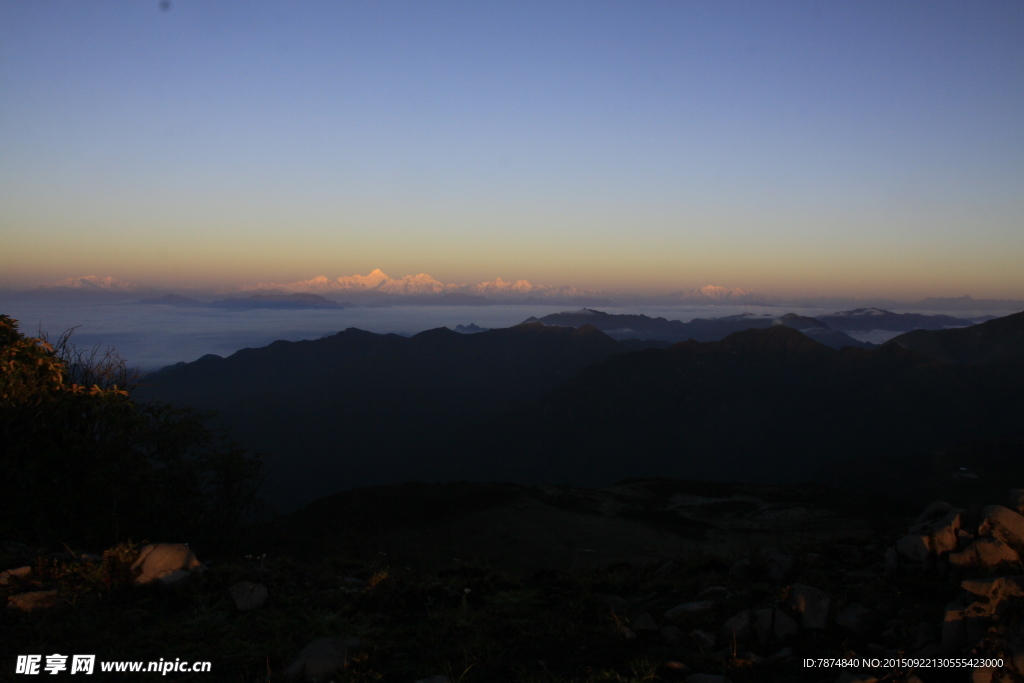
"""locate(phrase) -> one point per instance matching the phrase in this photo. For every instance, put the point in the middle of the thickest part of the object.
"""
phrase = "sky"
(819, 148)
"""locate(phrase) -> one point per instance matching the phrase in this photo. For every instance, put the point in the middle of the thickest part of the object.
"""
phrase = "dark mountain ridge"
(639, 326)
(358, 408)
(761, 405)
(988, 342)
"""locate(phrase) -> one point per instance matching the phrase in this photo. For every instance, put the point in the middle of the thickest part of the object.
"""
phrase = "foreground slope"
(996, 340)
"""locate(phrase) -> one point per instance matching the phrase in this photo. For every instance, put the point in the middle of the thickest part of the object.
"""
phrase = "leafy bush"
(81, 462)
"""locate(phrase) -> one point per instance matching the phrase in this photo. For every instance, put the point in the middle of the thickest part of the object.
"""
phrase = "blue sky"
(871, 148)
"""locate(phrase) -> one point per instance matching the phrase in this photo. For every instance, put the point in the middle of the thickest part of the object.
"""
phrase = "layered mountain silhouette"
(761, 405)
(993, 341)
(633, 326)
(359, 408)
(865, 319)
(557, 405)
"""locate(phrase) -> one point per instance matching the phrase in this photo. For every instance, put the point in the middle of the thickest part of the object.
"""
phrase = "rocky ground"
(650, 580)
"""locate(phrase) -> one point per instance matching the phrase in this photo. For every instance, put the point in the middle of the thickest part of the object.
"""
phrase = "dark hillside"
(762, 405)
(357, 408)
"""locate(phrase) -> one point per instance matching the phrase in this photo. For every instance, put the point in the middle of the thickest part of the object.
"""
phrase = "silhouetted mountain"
(866, 319)
(989, 342)
(358, 408)
(698, 329)
(967, 303)
(471, 328)
(278, 301)
(761, 405)
(172, 300)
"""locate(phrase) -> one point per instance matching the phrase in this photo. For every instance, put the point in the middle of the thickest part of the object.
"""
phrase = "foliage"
(81, 462)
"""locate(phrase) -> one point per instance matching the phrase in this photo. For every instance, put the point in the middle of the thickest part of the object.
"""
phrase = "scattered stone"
(778, 564)
(18, 573)
(849, 554)
(177, 576)
(992, 552)
(439, 678)
(1017, 500)
(749, 657)
(856, 618)
(90, 557)
(934, 511)
(737, 627)
(773, 625)
(673, 635)
(26, 602)
(627, 633)
(914, 548)
(319, 661)
(1004, 524)
(740, 569)
(248, 595)
(810, 603)
(644, 622)
(784, 653)
(615, 603)
(706, 678)
(161, 559)
(715, 593)
(665, 569)
(689, 607)
(705, 639)
(677, 666)
(847, 677)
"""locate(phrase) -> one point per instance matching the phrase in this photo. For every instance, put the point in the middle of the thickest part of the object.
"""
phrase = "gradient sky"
(855, 148)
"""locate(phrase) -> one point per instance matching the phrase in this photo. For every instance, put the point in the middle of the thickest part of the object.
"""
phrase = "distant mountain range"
(699, 329)
(377, 287)
(553, 405)
(254, 301)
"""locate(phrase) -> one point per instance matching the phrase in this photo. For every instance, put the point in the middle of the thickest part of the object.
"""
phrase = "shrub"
(81, 462)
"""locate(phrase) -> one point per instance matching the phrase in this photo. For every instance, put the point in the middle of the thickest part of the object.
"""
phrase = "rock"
(749, 657)
(848, 554)
(676, 666)
(737, 627)
(892, 561)
(673, 635)
(996, 589)
(740, 569)
(705, 678)
(248, 595)
(714, 593)
(319, 661)
(644, 622)
(784, 653)
(773, 625)
(615, 603)
(1004, 524)
(810, 603)
(171, 578)
(954, 630)
(992, 552)
(90, 558)
(847, 677)
(856, 618)
(19, 573)
(1017, 500)
(914, 548)
(933, 512)
(161, 559)
(963, 538)
(439, 678)
(778, 564)
(705, 640)
(26, 602)
(688, 607)
(627, 633)
(665, 569)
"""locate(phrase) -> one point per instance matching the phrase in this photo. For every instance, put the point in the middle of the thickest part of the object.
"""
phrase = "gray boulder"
(18, 573)
(248, 595)
(773, 625)
(856, 618)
